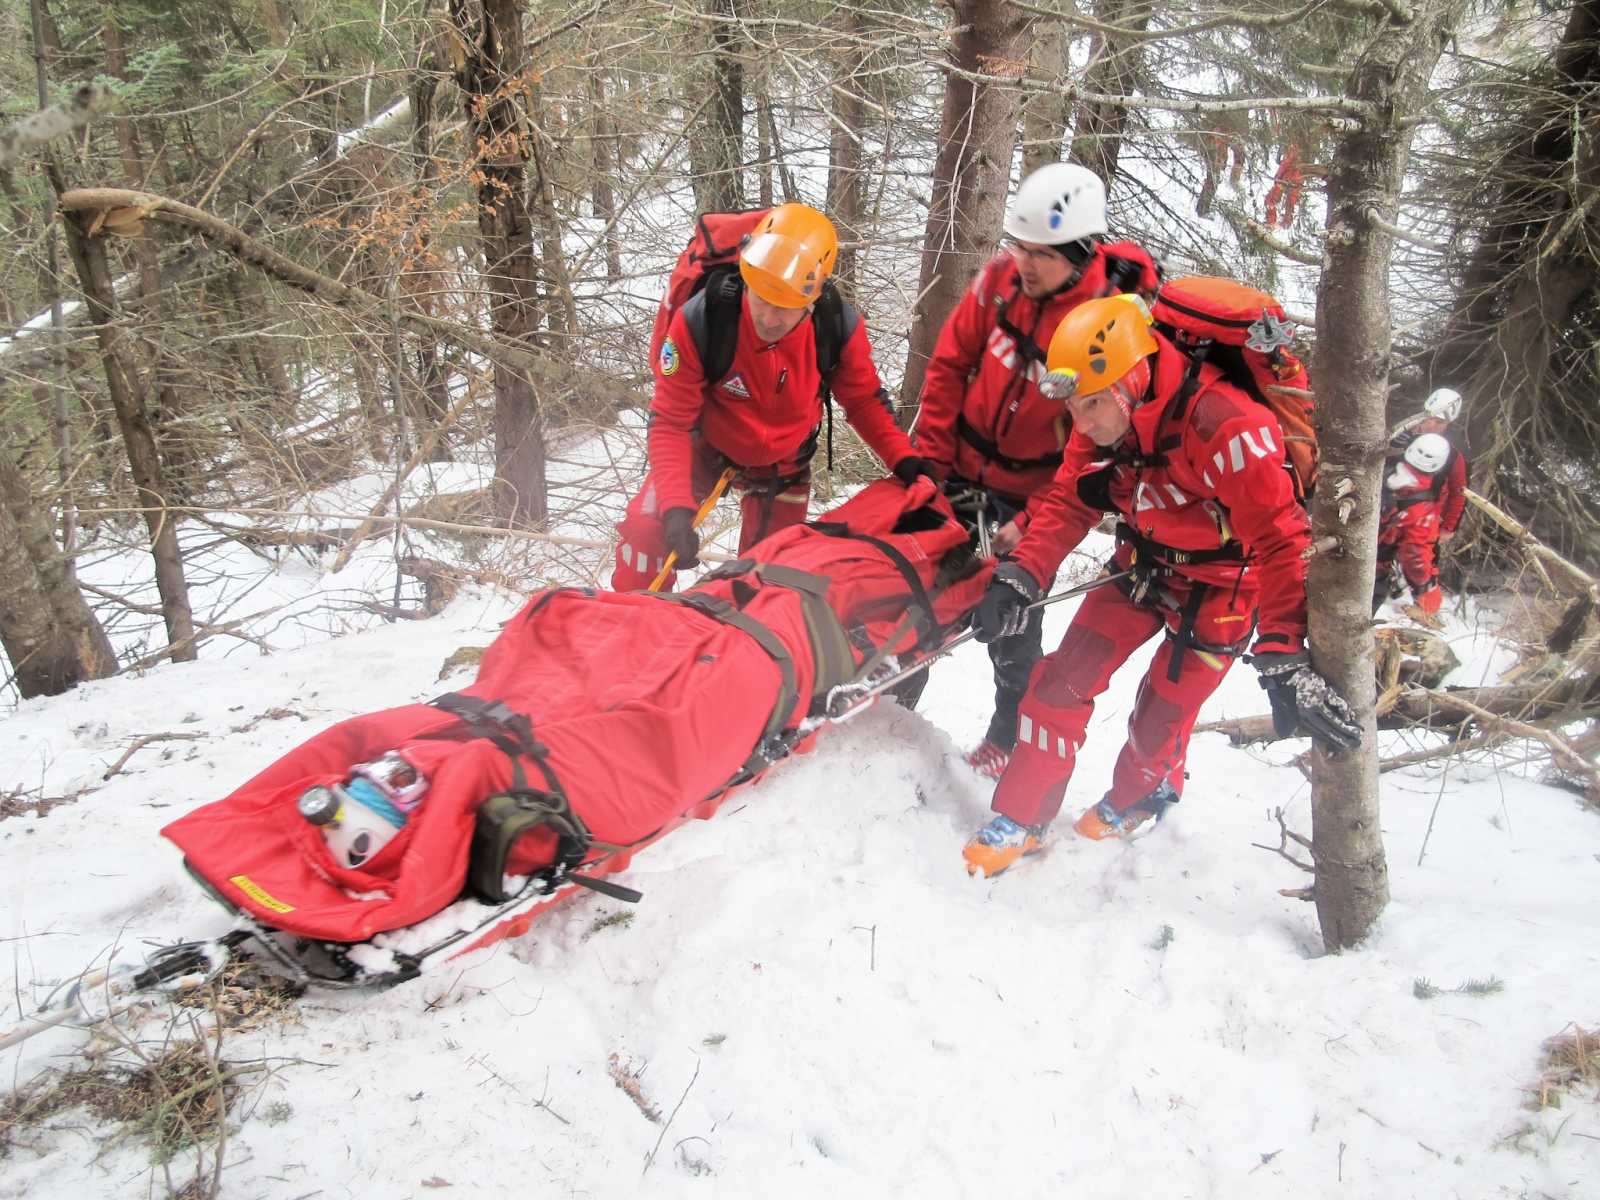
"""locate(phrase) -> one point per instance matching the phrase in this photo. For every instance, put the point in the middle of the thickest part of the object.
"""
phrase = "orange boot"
(1103, 821)
(999, 845)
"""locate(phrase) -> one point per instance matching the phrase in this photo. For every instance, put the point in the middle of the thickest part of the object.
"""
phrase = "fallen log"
(1566, 699)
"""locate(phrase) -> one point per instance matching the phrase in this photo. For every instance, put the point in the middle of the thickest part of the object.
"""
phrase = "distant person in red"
(1283, 197)
(1409, 525)
(1438, 416)
(762, 416)
(1215, 540)
(982, 421)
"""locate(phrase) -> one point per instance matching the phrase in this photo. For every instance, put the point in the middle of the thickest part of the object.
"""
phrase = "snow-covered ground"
(815, 997)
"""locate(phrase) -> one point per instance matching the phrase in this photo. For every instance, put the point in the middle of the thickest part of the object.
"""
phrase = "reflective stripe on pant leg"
(1060, 700)
(641, 546)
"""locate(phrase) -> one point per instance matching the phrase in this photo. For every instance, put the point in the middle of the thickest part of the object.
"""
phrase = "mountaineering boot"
(999, 844)
(1103, 821)
(987, 759)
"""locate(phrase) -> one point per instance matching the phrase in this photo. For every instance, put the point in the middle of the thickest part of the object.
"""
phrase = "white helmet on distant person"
(1428, 453)
(1058, 205)
(1443, 403)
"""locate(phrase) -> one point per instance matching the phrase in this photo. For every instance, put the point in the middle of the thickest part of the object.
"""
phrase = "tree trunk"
(787, 189)
(555, 260)
(1044, 113)
(603, 151)
(1114, 65)
(138, 437)
(1352, 371)
(717, 183)
(495, 57)
(53, 639)
(971, 173)
(176, 448)
(845, 180)
(421, 284)
(764, 150)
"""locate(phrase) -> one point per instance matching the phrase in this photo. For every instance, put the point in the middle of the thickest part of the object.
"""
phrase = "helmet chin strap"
(1071, 280)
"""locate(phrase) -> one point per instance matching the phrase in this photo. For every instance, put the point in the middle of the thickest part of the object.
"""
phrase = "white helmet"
(1058, 203)
(1428, 452)
(1443, 403)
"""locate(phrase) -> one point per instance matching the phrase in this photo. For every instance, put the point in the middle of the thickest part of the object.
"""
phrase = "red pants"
(1106, 629)
(1411, 535)
(771, 498)
(1284, 193)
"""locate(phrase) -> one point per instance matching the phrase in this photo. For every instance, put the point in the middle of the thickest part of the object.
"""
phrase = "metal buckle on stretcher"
(842, 699)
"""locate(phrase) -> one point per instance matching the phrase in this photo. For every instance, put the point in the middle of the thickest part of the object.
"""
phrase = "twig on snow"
(141, 742)
(651, 1157)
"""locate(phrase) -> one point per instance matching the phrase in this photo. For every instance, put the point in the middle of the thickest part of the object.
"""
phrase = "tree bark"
(845, 180)
(555, 261)
(603, 152)
(176, 451)
(51, 636)
(1352, 370)
(1044, 112)
(971, 172)
(494, 61)
(138, 436)
(717, 183)
(1114, 65)
(763, 151)
(421, 284)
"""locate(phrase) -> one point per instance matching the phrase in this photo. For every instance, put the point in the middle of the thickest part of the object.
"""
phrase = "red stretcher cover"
(648, 707)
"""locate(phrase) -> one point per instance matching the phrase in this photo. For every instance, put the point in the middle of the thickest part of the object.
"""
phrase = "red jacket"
(1225, 481)
(765, 408)
(977, 376)
(1449, 488)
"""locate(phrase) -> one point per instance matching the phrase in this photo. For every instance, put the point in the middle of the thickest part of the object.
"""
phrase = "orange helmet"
(789, 256)
(1096, 344)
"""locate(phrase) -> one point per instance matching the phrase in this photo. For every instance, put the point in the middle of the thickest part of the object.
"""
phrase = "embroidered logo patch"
(669, 357)
(735, 384)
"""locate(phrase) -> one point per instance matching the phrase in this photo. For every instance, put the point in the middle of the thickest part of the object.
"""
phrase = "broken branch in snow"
(1285, 836)
(1561, 751)
(1534, 546)
(144, 740)
(651, 1157)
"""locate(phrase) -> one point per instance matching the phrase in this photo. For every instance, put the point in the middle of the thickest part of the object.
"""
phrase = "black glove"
(1003, 611)
(682, 540)
(911, 466)
(1303, 701)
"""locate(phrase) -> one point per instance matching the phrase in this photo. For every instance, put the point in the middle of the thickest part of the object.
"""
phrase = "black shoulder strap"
(712, 315)
(1169, 433)
(833, 323)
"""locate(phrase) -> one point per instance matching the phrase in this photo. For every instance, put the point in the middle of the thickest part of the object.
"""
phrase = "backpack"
(1245, 333)
(709, 266)
(708, 269)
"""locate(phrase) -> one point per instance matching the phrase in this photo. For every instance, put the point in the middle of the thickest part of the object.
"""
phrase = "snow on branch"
(56, 121)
